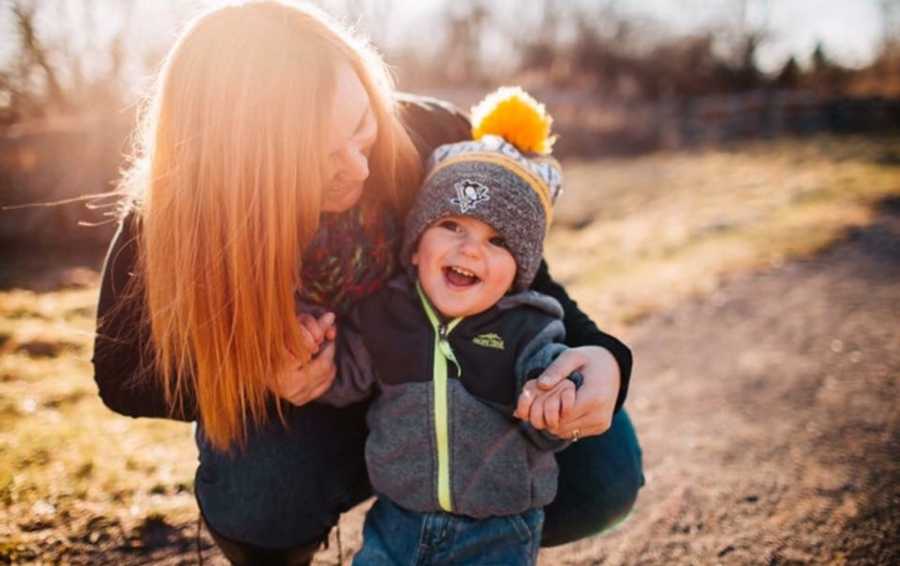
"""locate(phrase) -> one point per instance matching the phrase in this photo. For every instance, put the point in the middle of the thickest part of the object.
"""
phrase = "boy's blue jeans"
(288, 487)
(392, 536)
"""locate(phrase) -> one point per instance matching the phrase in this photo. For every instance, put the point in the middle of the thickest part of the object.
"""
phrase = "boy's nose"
(470, 247)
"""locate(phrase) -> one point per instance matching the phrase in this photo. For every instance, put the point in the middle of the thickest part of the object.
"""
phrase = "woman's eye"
(449, 225)
(499, 242)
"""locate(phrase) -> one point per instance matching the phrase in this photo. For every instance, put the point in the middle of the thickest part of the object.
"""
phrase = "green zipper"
(442, 353)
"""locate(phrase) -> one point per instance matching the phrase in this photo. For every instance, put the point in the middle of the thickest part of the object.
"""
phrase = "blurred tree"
(826, 76)
(789, 75)
(820, 61)
(539, 46)
(461, 52)
(890, 24)
(67, 57)
(32, 82)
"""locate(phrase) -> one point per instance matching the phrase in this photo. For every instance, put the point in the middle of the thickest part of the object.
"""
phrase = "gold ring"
(576, 434)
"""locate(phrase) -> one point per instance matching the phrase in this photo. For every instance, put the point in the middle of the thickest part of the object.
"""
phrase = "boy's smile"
(464, 266)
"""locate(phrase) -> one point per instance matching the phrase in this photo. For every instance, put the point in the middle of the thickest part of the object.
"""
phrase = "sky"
(850, 29)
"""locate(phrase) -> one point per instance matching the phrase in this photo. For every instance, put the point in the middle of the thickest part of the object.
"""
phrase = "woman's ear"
(415, 258)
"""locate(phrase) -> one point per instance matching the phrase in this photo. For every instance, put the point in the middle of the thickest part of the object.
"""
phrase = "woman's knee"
(288, 486)
(599, 481)
(241, 553)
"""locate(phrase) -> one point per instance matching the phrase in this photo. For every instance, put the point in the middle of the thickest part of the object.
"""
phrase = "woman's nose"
(354, 166)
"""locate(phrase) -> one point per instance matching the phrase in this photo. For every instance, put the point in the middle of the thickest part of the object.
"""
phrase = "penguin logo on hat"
(468, 194)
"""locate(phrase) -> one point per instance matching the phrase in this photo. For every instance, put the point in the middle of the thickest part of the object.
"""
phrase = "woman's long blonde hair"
(227, 180)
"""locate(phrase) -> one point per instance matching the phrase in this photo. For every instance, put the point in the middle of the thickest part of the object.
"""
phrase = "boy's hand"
(545, 408)
(596, 399)
(314, 331)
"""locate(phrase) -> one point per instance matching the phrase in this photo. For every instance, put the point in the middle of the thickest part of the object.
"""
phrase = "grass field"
(632, 236)
(637, 235)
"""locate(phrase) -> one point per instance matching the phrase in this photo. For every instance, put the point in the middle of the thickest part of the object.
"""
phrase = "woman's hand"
(595, 401)
(300, 383)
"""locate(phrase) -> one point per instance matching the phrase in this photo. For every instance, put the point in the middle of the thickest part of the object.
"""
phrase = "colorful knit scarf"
(351, 256)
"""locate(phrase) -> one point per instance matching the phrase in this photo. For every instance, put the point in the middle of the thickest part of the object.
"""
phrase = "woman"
(275, 158)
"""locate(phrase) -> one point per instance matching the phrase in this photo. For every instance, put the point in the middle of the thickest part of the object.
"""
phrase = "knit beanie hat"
(504, 177)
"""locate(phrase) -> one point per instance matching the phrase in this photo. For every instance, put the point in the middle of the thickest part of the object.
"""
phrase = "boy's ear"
(415, 258)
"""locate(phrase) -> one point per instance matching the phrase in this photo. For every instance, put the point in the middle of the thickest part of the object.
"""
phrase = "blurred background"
(731, 211)
(621, 77)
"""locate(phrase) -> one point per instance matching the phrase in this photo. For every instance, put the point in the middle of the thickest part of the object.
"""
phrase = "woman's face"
(351, 135)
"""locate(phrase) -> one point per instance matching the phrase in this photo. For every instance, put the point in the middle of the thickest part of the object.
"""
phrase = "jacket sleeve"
(122, 344)
(532, 361)
(581, 330)
(355, 379)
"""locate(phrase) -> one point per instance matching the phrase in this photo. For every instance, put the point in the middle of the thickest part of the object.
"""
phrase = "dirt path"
(769, 419)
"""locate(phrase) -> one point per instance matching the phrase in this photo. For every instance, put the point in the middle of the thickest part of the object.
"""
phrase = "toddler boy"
(447, 347)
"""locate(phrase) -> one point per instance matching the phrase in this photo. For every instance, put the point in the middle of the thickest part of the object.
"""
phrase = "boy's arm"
(355, 379)
(581, 330)
(533, 359)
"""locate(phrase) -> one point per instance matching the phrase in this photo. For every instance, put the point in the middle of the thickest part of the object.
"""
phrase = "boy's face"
(464, 266)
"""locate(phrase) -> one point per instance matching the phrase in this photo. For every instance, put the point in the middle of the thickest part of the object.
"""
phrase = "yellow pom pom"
(514, 115)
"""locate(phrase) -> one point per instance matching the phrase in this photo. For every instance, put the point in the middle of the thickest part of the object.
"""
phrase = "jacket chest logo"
(490, 340)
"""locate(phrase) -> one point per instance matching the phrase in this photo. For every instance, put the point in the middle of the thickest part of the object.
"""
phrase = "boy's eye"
(499, 242)
(449, 225)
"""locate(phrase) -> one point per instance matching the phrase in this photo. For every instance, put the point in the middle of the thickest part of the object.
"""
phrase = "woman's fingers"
(326, 323)
(325, 371)
(318, 327)
(314, 331)
(545, 409)
(551, 410)
(309, 333)
(300, 385)
(585, 426)
(595, 401)
(569, 361)
(536, 416)
(567, 400)
(321, 368)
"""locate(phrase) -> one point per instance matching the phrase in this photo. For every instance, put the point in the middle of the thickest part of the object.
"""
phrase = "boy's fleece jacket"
(441, 432)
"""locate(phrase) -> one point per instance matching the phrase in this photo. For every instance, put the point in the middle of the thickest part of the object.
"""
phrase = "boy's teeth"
(459, 276)
(462, 271)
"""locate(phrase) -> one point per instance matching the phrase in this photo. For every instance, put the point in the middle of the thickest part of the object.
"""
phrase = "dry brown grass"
(72, 474)
(636, 235)
(631, 235)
